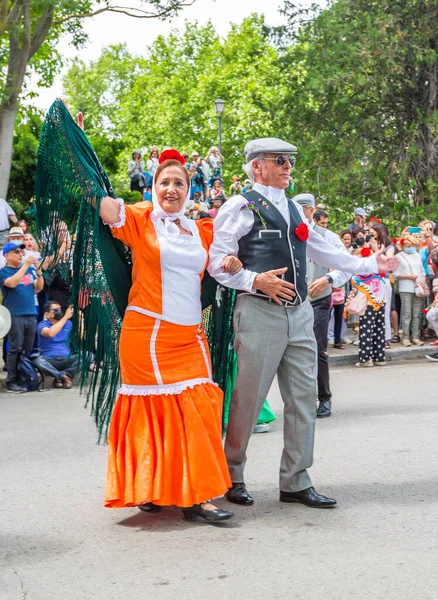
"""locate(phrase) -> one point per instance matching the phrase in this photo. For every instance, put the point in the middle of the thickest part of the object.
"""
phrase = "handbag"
(358, 305)
(421, 291)
(338, 296)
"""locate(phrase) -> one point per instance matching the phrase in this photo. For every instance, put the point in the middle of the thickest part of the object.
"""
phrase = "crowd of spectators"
(207, 187)
(399, 307)
(40, 316)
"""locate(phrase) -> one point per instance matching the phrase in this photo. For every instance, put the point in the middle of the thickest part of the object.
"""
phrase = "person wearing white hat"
(360, 216)
(273, 321)
(6, 213)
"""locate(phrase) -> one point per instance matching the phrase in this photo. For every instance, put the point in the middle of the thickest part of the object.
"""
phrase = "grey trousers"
(269, 340)
(411, 307)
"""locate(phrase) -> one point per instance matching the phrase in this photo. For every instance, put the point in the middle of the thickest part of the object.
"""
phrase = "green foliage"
(166, 98)
(26, 140)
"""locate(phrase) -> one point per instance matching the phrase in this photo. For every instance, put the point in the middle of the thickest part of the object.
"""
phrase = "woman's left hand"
(231, 265)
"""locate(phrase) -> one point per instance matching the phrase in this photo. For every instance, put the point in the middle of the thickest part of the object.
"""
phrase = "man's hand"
(273, 286)
(385, 263)
(318, 286)
(69, 313)
(30, 260)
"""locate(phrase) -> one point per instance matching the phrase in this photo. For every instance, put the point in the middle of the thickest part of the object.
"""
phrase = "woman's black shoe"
(195, 511)
(149, 507)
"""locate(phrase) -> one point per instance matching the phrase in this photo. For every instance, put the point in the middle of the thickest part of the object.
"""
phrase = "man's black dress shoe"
(149, 507)
(324, 409)
(309, 497)
(195, 511)
(239, 495)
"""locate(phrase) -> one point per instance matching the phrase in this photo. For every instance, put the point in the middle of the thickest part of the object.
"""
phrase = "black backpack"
(27, 375)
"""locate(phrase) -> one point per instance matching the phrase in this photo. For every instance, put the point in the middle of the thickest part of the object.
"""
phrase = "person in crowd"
(321, 218)
(347, 239)
(372, 322)
(200, 163)
(16, 234)
(169, 383)
(55, 357)
(373, 221)
(22, 223)
(320, 281)
(380, 234)
(432, 319)
(19, 281)
(196, 181)
(337, 331)
(410, 273)
(147, 192)
(217, 203)
(59, 282)
(273, 322)
(236, 186)
(136, 173)
(215, 161)
(432, 314)
(360, 216)
(247, 186)
(152, 162)
(31, 246)
(6, 214)
(217, 191)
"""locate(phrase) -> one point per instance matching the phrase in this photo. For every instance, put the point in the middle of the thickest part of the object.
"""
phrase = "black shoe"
(14, 388)
(213, 516)
(324, 409)
(432, 357)
(149, 507)
(309, 497)
(239, 495)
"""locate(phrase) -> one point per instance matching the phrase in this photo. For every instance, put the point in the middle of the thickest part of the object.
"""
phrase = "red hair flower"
(171, 155)
(402, 241)
(394, 240)
(302, 232)
(365, 252)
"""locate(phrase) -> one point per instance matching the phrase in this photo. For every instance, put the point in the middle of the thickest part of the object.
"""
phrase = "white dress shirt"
(232, 223)
(339, 277)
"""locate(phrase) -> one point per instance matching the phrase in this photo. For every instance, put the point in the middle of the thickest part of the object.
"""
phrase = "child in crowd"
(215, 160)
(372, 322)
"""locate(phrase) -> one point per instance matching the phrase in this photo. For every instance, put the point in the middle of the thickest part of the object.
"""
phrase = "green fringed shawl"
(70, 183)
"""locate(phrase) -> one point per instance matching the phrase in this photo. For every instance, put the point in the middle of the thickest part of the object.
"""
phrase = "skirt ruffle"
(167, 449)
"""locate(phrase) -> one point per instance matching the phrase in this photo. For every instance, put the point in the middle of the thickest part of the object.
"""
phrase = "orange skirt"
(165, 439)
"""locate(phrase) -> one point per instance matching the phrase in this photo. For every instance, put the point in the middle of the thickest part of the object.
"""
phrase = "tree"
(367, 102)
(166, 98)
(29, 31)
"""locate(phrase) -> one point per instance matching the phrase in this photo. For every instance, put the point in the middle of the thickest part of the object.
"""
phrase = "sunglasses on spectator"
(282, 159)
(18, 251)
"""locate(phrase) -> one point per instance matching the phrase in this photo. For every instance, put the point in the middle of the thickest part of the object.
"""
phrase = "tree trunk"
(7, 123)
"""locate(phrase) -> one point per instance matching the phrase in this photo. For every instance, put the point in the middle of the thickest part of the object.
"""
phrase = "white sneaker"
(356, 343)
(347, 340)
(262, 428)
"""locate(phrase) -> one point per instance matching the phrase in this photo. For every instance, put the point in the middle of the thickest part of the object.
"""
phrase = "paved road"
(377, 455)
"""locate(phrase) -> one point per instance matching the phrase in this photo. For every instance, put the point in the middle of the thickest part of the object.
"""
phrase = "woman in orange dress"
(165, 440)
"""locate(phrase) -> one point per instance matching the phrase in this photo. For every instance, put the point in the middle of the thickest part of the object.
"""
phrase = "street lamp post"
(219, 107)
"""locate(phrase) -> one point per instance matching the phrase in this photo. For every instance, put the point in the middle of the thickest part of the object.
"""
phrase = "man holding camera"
(20, 279)
(56, 359)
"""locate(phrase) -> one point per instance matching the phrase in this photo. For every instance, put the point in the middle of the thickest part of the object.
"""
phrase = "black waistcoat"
(276, 246)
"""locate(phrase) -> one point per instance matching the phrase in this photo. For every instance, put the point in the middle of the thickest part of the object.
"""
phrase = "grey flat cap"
(305, 199)
(360, 212)
(271, 145)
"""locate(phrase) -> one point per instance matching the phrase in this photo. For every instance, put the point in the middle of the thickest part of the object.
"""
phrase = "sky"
(107, 29)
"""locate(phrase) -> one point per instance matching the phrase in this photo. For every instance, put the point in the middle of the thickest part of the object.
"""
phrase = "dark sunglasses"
(282, 159)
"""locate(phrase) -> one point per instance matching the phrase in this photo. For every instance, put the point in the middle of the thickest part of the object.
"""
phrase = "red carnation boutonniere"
(402, 242)
(302, 232)
(394, 240)
(365, 252)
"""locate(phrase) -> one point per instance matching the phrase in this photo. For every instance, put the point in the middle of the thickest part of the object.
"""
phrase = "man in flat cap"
(273, 322)
(320, 281)
(359, 219)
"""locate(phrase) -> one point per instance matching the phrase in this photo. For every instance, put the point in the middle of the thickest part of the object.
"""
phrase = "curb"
(405, 354)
